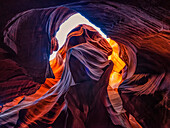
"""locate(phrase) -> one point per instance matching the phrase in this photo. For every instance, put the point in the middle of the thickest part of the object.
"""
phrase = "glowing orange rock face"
(57, 66)
(115, 77)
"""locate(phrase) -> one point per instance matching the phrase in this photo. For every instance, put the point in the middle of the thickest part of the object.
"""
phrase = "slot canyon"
(111, 67)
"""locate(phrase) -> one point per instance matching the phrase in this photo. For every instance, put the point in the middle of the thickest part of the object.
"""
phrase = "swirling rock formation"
(143, 34)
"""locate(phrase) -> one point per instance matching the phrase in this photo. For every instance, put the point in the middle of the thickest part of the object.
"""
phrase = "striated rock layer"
(143, 36)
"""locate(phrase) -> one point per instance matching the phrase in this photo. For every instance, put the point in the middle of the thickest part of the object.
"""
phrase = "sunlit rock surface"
(143, 34)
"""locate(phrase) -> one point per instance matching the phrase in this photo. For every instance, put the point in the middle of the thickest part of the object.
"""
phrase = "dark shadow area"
(140, 27)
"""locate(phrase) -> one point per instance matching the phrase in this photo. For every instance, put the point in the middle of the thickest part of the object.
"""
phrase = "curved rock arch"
(146, 35)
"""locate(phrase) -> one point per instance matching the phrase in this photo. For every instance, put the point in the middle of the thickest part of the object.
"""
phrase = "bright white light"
(70, 24)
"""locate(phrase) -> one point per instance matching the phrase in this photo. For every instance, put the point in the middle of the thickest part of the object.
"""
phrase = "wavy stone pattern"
(147, 33)
(26, 50)
(143, 36)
